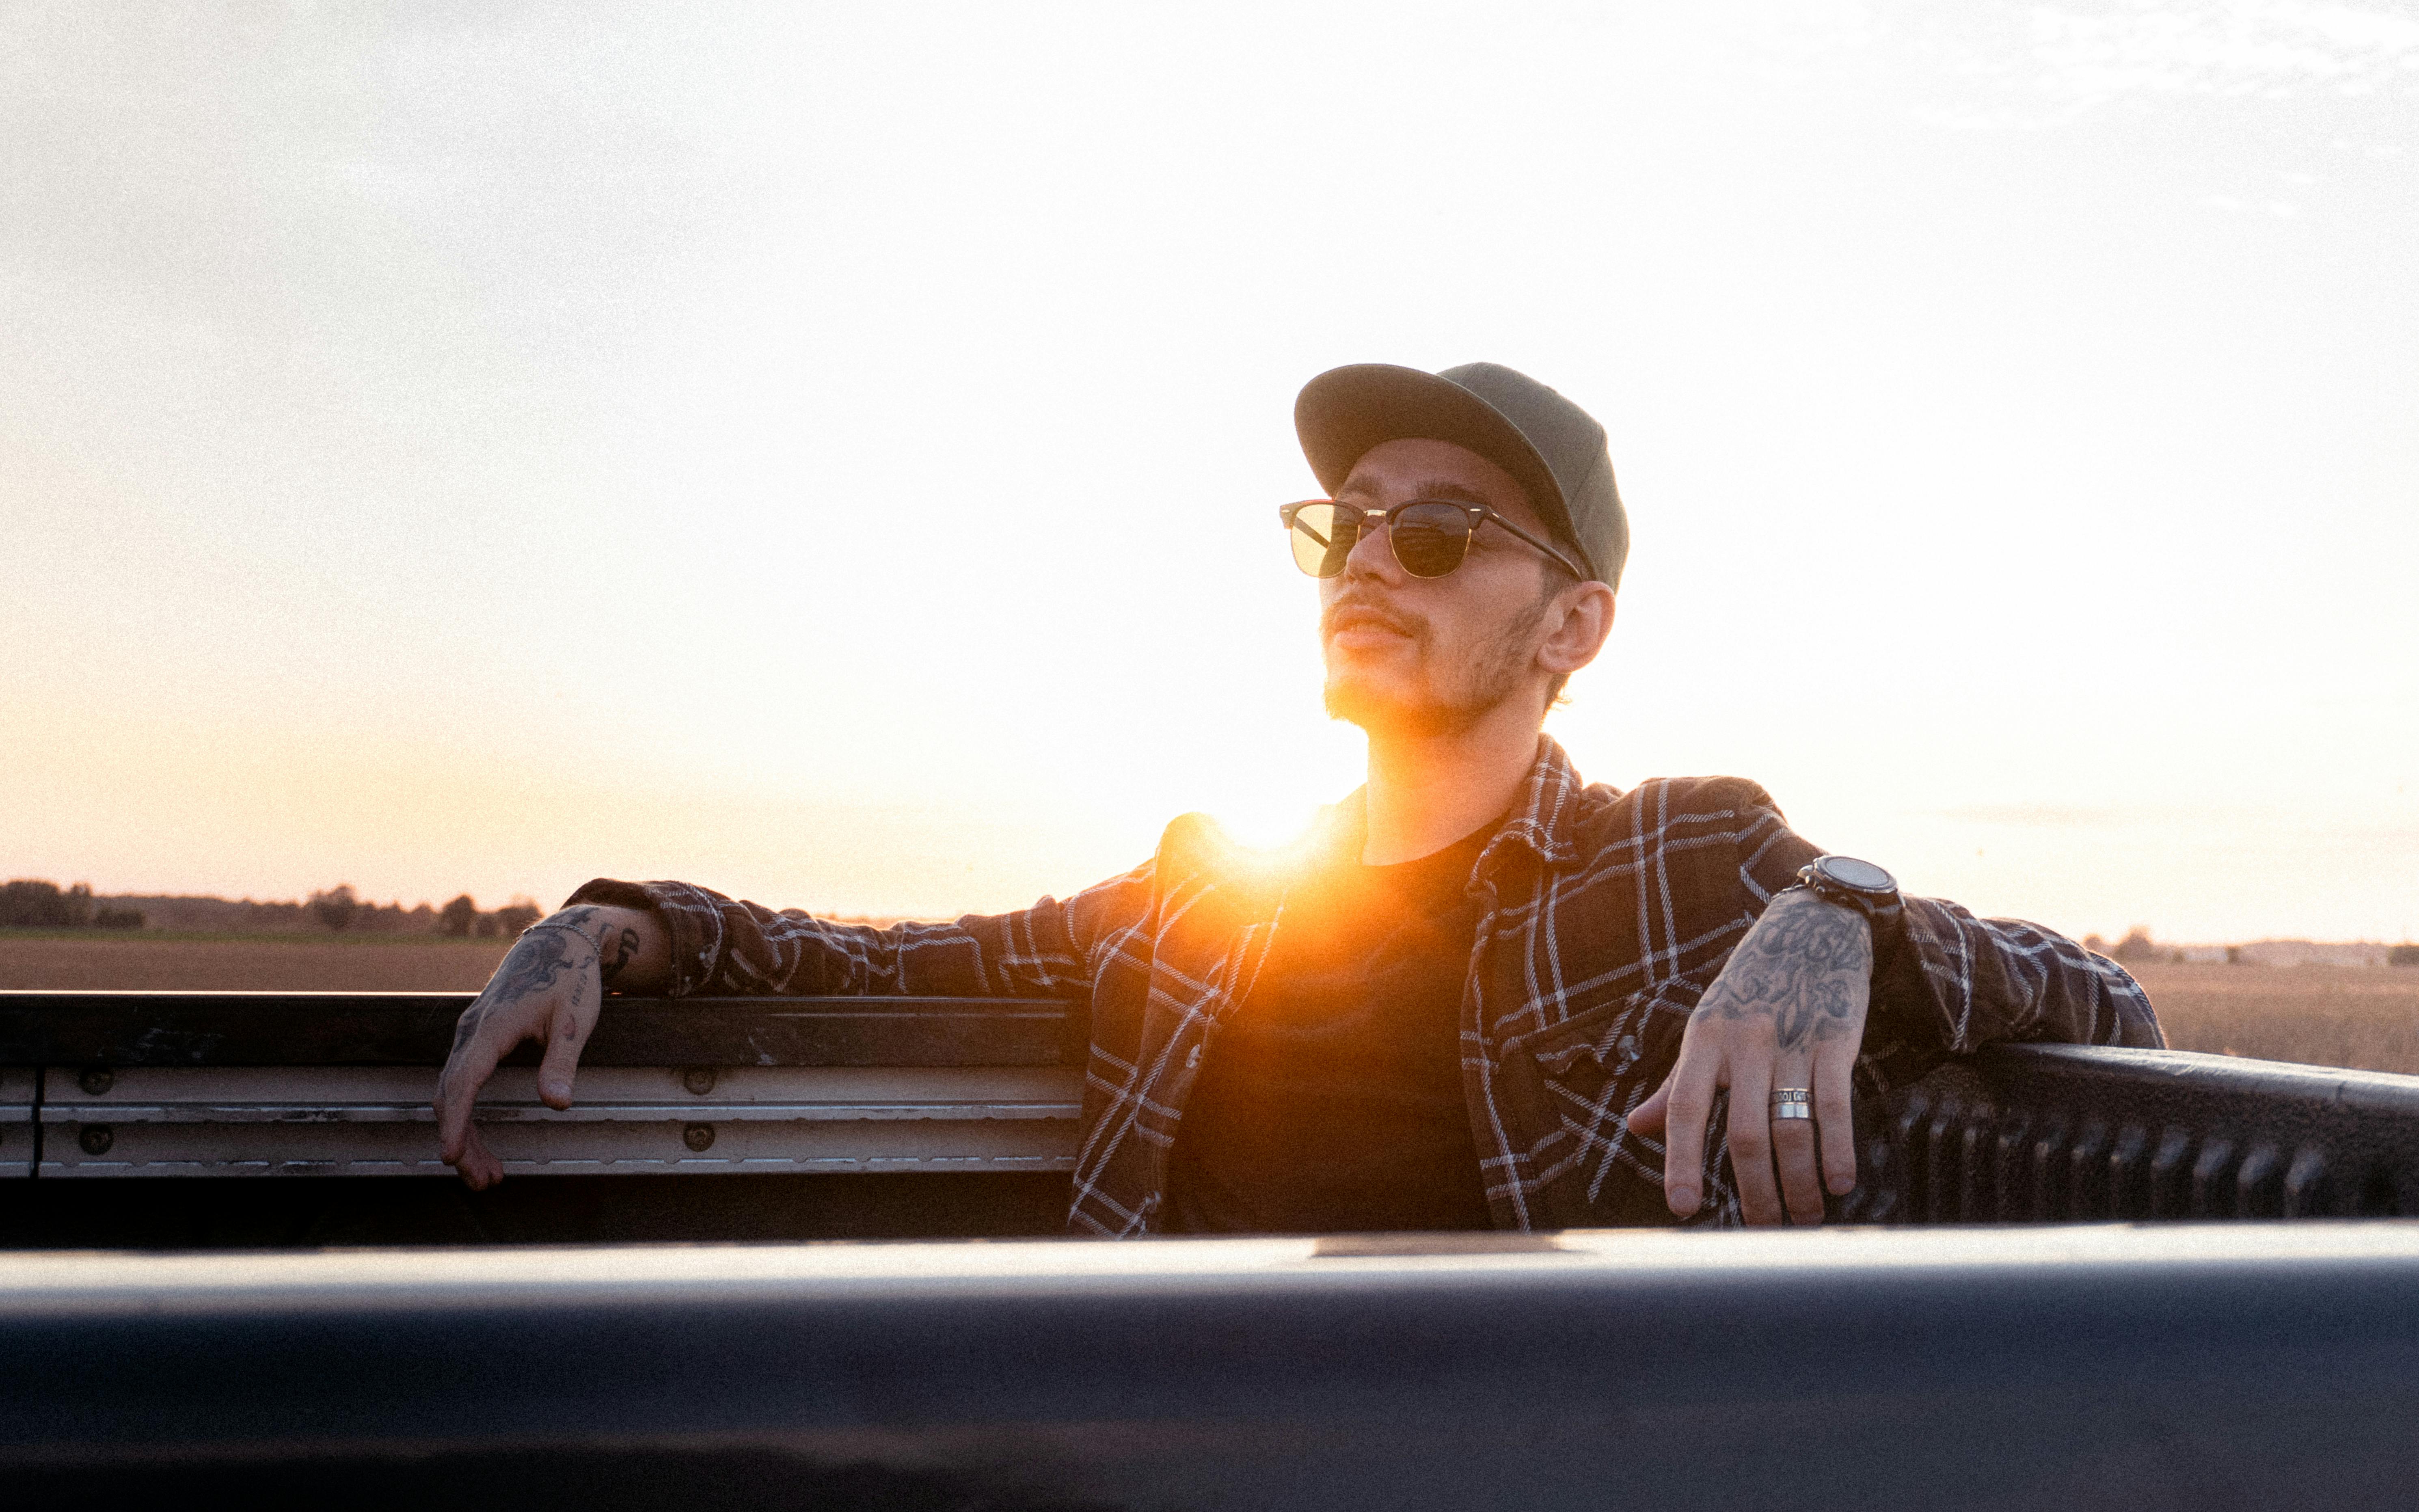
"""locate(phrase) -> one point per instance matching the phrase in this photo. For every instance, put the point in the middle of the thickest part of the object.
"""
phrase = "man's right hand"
(549, 988)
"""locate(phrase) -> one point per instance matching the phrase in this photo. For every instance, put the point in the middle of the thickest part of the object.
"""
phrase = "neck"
(1426, 792)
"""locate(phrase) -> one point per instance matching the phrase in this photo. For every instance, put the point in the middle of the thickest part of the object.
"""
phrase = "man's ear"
(1578, 636)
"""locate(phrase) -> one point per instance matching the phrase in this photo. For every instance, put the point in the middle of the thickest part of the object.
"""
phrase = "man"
(1484, 995)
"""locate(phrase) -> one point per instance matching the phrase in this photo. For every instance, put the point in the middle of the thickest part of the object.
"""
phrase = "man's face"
(1431, 656)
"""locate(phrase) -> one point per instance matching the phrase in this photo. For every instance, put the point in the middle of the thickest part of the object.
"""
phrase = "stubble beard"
(1448, 699)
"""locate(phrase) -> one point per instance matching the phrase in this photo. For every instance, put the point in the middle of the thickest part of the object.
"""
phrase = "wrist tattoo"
(626, 946)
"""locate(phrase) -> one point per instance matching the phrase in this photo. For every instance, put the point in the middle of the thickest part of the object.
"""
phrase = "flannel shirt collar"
(1545, 816)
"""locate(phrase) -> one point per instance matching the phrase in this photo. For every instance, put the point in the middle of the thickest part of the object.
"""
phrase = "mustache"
(1351, 610)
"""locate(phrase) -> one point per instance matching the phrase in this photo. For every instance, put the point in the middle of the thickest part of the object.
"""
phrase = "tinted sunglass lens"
(1430, 539)
(1321, 539)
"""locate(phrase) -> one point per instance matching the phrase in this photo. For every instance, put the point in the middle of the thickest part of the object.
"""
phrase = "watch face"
(1850, 872)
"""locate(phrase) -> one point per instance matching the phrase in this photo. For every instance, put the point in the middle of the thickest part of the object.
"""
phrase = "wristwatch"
(1850, 883)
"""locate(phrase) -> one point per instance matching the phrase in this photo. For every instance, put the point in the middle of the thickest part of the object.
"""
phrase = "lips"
(1361, 625)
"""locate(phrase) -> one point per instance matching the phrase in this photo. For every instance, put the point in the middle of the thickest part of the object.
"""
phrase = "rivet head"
(699, 1079)
(96, 1138)
(698, 1137)
(96, 1081)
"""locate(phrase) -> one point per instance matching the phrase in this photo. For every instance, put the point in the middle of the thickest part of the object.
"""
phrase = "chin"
(1386, 710)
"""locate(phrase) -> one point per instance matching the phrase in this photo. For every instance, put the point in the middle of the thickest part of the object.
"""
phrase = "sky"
(829, 452)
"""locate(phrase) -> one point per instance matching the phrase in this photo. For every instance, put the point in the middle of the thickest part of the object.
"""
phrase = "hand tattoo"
(537, 961)
(1799, 967)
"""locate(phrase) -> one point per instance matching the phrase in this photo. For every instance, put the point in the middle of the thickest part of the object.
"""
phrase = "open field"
(257, 963)
(2367, 1017)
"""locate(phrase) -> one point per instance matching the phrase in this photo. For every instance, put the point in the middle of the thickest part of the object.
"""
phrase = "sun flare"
(1267, 822)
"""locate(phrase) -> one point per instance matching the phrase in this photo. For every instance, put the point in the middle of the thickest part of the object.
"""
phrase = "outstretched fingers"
(1793, 1151)
(1751, 1138)
(467, 1071)
(566, 1035)
(1687, 1111)
(1835, 1070)
(457, 1096)
(1651, 1116)
(479, 1167)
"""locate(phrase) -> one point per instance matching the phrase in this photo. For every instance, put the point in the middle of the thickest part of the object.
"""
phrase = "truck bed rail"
(2070, 1133)
(827, 1093)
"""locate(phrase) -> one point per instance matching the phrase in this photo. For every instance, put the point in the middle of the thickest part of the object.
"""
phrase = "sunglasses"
(1430, 536)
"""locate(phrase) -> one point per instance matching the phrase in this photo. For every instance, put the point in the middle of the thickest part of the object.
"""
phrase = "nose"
(1372, 554)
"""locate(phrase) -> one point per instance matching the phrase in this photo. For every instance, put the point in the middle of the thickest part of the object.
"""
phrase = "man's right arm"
(678, 940)
(721, 945)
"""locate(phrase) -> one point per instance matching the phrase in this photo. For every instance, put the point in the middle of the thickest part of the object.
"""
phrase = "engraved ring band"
(1792, 1102)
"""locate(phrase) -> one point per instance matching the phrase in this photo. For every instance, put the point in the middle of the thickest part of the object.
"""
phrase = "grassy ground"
(2324, 1016)
(246, 963)
(2365, 1017)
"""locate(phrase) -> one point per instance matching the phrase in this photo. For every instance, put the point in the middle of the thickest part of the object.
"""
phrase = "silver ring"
(1791, 1110)
(1792, 1094)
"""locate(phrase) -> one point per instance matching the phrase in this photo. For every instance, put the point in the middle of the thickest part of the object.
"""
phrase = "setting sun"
(1271, 823)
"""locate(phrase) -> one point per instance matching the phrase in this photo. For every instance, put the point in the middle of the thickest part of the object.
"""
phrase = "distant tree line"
(2139, 948)
(461, 918)
(338, 910)
(2135, 949)
(27, 905)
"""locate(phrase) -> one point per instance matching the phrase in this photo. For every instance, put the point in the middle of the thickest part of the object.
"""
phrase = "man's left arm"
(1944, 978)
(1790, 1010)
(1947, 981)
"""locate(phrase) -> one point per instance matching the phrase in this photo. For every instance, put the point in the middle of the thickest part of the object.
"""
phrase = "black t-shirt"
(1331, 1098)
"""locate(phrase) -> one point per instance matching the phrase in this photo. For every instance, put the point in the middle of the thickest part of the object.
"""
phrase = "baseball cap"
(1554, 449)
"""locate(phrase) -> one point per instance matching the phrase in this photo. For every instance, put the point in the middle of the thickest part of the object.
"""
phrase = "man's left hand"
(1788, 1010)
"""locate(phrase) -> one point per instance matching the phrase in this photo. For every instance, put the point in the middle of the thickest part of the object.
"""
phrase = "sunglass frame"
(1479, 515)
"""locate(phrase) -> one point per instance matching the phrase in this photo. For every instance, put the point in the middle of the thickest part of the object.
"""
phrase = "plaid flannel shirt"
(1603, 918)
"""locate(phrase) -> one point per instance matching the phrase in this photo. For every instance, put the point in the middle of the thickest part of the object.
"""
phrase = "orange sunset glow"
(831, 455)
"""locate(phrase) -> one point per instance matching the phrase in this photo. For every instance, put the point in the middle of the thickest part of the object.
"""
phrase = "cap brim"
(1345, 411)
